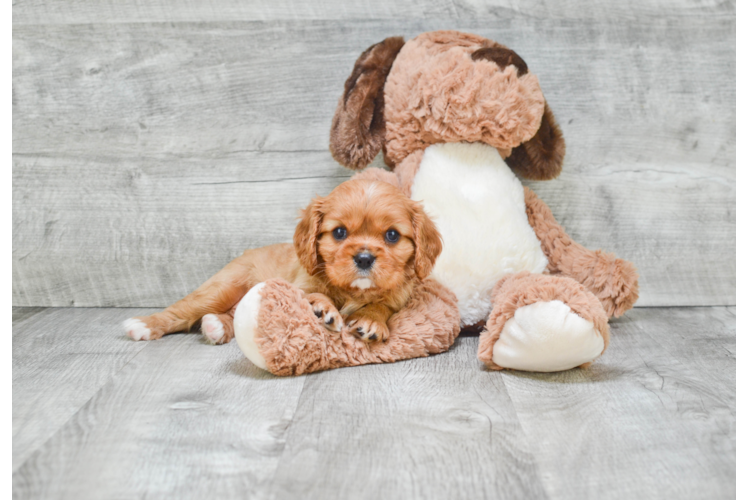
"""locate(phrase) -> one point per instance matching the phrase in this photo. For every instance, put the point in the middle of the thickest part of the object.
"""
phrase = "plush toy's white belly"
(478, 204)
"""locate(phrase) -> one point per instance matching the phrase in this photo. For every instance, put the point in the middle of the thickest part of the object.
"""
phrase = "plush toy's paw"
(369, 330)
(276, 328)
(245, 325)
(547, 337)
(543, 323)
(621, 288)
(326, 311)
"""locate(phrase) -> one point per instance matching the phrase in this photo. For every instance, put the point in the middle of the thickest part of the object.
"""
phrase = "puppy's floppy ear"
(305, 236)
(427, 239)
(358, 127)
(541, 157)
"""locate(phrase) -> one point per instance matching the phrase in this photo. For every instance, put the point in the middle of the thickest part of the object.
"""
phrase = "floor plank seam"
(290, 426)
(41, 446)
(525, 434)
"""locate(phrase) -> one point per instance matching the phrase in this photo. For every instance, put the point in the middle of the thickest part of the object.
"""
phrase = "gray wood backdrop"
(153, 143)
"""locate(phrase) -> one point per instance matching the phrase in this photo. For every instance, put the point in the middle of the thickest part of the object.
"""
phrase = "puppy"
(356, 254)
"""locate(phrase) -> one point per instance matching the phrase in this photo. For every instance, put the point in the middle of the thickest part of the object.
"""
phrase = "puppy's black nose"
(364, 260)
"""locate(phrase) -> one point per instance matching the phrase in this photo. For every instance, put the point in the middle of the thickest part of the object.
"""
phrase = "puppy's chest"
(478, 204)
(348, 303)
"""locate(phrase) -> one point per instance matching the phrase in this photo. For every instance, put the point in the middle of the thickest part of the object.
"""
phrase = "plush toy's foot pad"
(543, 323)
(277, 329)
(547, 337)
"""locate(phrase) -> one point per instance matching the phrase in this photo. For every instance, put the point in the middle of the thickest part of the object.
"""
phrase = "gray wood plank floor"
(96, 415)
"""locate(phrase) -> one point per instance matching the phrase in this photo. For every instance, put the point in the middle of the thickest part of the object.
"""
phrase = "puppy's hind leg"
(216, 296)
(218, 328)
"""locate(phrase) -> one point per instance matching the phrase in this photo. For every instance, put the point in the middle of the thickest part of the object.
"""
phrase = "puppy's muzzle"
(364, 260)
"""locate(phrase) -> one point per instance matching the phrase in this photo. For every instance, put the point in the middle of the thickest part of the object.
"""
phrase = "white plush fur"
(136, 329)
(212, 328)
(546, 337)
(478, 204)
(245, 325)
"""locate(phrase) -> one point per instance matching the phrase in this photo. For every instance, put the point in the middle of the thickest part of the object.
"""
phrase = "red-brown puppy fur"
(321, 263)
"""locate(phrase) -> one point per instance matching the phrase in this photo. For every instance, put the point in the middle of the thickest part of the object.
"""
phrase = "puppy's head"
(366, 235)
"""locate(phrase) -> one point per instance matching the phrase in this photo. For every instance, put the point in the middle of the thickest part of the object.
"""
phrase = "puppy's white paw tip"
(212, 328)
(331, 323)
(136, 329)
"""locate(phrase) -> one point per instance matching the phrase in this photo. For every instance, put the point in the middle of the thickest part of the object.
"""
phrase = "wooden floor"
(96, 415)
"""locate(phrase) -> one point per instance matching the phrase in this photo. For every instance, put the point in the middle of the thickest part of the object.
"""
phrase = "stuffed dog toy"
(458, 118)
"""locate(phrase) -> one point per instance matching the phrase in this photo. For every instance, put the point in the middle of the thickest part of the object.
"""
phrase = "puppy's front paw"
(217, 328)
(369, 330)
(326, 311)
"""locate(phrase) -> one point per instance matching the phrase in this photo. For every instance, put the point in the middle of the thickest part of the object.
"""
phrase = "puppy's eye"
(392, 236)
(339, 233)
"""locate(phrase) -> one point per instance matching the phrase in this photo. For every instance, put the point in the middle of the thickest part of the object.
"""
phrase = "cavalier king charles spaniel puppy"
(356, 254)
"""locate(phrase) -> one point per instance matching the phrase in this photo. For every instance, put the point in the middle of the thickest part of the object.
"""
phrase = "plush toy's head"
(445, 86)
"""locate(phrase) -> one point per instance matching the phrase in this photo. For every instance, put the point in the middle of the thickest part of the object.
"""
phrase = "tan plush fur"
(523, 289)
(407, 170)
(292, 341)
(324, 266)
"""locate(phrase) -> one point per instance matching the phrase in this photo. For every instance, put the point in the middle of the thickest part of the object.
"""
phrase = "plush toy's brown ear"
(305, 237)
(541, 157)
(357, 132)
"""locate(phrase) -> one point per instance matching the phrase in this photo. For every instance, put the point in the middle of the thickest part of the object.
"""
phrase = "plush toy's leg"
(276, 328)
(614, 282)
(543, 323)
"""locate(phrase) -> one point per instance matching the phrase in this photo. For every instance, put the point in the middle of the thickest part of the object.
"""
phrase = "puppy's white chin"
(362, 283)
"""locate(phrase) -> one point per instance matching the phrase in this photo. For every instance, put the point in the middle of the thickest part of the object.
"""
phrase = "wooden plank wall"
(153, 143)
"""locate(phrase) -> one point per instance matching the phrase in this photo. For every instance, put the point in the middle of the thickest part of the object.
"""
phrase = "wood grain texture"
(121, 232)
(623, 92)
(61, 358)
(183, 419)
(88, 11)
(440, 427)
(21, 314)
(653, 418)
(123, 115)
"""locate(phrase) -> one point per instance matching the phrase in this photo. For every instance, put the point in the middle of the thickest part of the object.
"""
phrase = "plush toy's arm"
(614, 281)
(290, 339)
